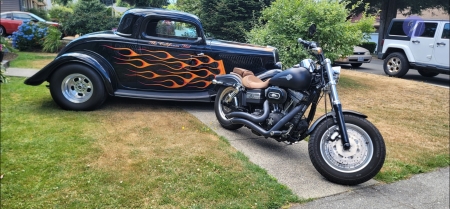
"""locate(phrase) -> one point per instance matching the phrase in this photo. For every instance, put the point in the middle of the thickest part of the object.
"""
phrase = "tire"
(396, 65)
(221, 110)
(361, 163)
(2, 31)
(356, 64)
(77, 87)
(427, 74)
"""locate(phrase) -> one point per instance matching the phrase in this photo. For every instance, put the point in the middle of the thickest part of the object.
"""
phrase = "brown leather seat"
(242, 72)
(253, 82)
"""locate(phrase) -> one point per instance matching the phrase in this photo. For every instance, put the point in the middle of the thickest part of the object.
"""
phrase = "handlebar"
(307, 44)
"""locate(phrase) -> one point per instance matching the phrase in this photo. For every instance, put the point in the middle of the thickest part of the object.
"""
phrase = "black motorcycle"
(343, 146)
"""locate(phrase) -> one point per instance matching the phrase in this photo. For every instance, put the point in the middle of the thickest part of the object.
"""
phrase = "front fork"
(337, 107)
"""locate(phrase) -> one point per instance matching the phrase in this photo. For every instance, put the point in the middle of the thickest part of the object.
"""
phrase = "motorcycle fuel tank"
(292, 78)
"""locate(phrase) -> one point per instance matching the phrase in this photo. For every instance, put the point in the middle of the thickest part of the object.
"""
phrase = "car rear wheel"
(396, 65)
(77, 87)
(2, 31)
(356, 64)
(427, 74)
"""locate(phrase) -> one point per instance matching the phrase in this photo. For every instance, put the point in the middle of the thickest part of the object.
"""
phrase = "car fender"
(91, 59)
(332, 114)
(226, 80)
(399, 47)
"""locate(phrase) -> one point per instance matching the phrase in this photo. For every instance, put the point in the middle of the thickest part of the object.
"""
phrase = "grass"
(32, 60)
(125, 155)
(413, 118)
(151, 154)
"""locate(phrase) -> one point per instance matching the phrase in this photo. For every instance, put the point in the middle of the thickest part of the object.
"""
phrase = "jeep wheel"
(396, 65)
(427, 74)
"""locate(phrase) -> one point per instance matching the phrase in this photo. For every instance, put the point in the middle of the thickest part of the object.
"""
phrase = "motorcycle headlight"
(336, 73)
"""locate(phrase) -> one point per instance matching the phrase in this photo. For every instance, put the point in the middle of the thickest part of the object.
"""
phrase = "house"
(24, 5)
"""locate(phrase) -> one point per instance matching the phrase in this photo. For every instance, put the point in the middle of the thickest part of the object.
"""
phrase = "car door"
(171, 57)
(10, 23)
(441, 50)
(422, 43)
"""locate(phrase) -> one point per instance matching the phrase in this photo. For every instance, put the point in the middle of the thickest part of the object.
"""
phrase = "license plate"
(360, 59)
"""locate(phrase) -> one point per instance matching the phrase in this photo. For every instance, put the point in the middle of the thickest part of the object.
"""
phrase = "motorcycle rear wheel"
(360, 163)
(221, 109)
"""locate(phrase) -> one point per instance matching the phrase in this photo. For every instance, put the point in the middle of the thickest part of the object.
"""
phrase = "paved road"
(376, 67)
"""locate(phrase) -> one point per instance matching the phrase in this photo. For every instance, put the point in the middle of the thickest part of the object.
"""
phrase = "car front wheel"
(396, 65)
(77, 87)
(2, 31)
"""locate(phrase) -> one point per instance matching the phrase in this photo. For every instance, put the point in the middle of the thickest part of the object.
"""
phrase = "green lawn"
(121, 156)
(32, 60)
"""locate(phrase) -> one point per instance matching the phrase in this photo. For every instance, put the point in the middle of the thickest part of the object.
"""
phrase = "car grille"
(359, 53)
(254, 64)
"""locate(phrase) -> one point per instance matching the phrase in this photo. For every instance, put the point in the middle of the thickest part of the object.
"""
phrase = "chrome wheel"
(77, 88)
(347, 161)
(394, 65)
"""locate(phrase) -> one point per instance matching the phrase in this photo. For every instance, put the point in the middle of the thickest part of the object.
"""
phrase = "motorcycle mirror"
(312, 30)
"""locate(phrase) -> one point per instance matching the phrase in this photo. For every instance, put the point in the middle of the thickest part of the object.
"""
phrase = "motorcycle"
(343, 145)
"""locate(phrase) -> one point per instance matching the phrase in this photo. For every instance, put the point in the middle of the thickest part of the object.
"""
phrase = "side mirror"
(312, 30)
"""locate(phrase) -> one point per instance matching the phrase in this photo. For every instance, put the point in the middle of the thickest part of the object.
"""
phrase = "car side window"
(446, 31)
(397, 29)
(425, 29)
(7, 16)
(172, 29)
(127, 24)
(23, 17)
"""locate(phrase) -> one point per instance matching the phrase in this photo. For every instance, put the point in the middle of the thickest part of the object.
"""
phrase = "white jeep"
(416, 44)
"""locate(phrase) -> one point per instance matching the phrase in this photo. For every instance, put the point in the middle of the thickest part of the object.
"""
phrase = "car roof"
(15, 12)
(161, 12)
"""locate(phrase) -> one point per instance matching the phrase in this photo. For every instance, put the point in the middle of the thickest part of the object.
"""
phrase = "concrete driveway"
(290, 164)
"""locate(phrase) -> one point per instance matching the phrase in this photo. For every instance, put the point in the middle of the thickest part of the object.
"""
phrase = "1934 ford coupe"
(154, 54)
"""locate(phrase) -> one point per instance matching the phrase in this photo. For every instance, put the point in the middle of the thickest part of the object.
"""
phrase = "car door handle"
(201, 54)
(416, 42)
(439, 44)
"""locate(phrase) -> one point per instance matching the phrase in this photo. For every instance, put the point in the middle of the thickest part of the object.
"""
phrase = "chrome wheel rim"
(394, 65)
(1, 31)
(347, 161)
(77, 88)
(223, 109)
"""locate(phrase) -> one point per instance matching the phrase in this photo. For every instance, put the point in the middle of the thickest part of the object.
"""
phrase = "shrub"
(59, 13)
(39, 12)
(89, 16)
(52, 41)
(29, 36)
(369, 46)
(287, 20)
(3, 78)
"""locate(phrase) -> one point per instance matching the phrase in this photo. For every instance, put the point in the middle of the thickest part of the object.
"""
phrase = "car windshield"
(37, 17)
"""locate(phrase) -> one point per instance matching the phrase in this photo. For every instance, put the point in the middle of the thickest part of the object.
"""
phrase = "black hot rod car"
(154, 54)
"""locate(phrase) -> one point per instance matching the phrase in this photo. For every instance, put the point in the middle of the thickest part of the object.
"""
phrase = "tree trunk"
(388, 12)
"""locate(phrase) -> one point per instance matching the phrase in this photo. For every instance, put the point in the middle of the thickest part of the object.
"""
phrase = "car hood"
(214, 43)
(359, 49)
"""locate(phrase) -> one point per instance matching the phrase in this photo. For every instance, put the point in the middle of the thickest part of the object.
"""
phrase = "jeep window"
(446, 31)
(425, 29)
(397, 29)
(171, 29)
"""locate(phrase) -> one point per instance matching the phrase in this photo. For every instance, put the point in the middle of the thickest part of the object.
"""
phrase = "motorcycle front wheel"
(357, 165)
(221, 109)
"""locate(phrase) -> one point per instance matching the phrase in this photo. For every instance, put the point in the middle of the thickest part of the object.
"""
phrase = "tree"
(389, 9)
(148, 3)
(287, 20)
(89, 16)
(61, 2)
(229, 19)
